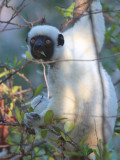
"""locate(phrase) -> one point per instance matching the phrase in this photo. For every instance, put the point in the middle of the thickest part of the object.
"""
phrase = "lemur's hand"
(36, 101)
(32, 120)
(39, 104)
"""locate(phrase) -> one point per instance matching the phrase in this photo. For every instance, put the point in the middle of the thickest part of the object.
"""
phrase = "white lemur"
(75, 86)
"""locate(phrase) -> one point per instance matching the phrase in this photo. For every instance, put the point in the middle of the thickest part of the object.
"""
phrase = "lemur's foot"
(32, 120)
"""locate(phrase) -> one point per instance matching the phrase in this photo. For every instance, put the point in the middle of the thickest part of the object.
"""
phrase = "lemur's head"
(45, 42)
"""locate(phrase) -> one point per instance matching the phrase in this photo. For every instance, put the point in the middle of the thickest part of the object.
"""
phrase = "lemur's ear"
(60, 40)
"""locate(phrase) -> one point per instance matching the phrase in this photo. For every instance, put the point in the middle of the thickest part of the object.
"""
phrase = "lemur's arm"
(62, 105)
(80, 36)
(65, 109)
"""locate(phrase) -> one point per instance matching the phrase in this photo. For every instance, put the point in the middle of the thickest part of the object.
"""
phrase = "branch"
(28, 149)
(15, 72)
(116, 83)
(75, 60)
(56, 61)
(5, 157)
(16, 12)
(80, 7)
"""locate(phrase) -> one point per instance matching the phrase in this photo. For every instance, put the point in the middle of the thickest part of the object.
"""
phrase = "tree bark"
(80, 7)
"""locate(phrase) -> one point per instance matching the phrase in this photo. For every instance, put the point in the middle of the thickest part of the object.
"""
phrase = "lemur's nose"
(38, 46)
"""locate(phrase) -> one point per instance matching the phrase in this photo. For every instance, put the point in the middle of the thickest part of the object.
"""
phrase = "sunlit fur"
(75, 87)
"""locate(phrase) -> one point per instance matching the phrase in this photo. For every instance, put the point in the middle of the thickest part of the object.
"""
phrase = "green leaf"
(38, 90)
(5, 89)
(11, 108)
(31, 110)
(9, 140)
(60, 119)
(20, 62)
(31, 138)
(4, 73)
(68, 139)
(22, 115)
(69, 127)
(44, 133)
(118, 64)
(115, 49)
(13, 128)
(112, 28)
(48, 116)
(63, 135)
(69, 10)
(18, 116)
(15, 89)
(90, 151)
(43, 54)
(56, 140)
(96, 154)
(36, 149)
(86, 150)
(107, 35)
(1, 69)
(27, 103)
(83, 141)
(28, 55)
(57, 129)
(16, 132)
(67, 13)
(15, 61)
(61, 10)
(37, 137)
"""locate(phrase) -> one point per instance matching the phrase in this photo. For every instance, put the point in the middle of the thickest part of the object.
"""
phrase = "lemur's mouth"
(38, 54)
(38, 51)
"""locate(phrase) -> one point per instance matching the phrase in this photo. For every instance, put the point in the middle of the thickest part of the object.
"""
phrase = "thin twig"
(28, 62)
(48, 96)
(16, 13)
(9, 124)
(81, 60)
(28, 149)
(110, 18)
(75, 18)
(116, 83)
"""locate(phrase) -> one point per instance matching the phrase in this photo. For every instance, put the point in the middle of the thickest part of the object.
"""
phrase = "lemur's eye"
(48, 41)
(32, 41)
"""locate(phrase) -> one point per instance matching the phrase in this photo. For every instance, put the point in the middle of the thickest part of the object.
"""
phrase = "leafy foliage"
(48, 116)
(67, 13)
(38, 90)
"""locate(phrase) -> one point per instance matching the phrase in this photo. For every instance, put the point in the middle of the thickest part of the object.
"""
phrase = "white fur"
(46, 30)
(75, 87)
(81, 34)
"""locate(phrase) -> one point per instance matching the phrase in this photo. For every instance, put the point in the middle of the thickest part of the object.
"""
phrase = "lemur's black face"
(42, 47)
